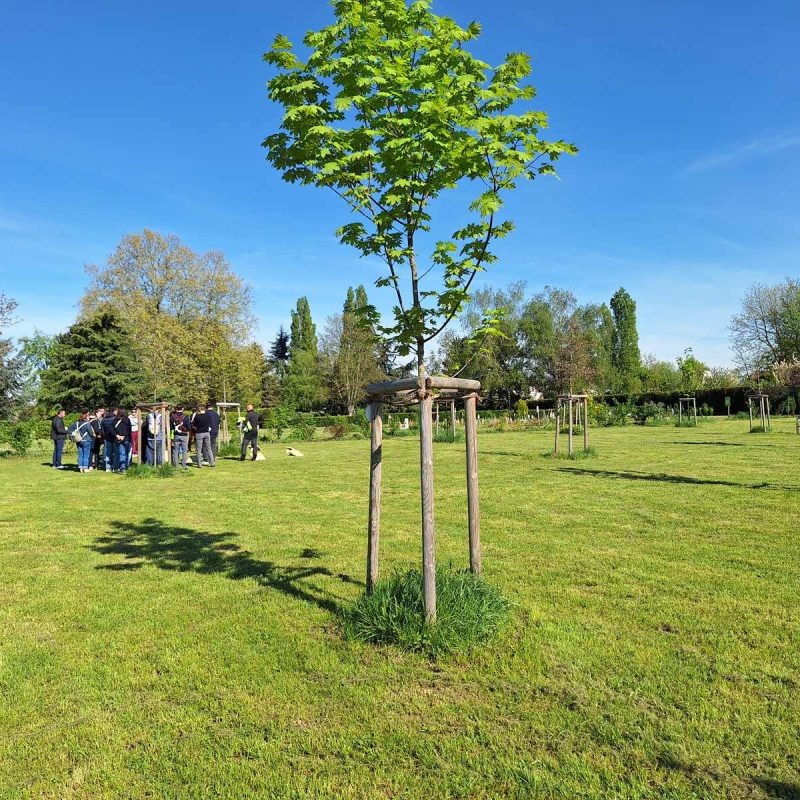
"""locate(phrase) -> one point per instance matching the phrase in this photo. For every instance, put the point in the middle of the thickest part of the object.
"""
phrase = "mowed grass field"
(179, 638)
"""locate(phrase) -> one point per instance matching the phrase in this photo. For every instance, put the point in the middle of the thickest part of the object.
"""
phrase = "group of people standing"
(109, 439)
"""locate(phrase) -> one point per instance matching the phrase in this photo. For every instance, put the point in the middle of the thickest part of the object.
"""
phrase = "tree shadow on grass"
(185, 550)
(660, 477)
(710, 444)
(778, 789)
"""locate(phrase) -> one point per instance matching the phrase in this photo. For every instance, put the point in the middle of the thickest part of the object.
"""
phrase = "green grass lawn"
(178, 638)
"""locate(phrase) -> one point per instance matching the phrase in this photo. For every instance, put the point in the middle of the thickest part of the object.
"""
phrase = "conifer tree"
(93, 363)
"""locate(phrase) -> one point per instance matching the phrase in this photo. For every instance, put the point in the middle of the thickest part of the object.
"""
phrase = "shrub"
(521, 410)
(21, 439)
(470, 612)
(337, 431)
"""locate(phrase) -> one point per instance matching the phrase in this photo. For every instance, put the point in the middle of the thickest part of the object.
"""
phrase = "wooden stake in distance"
(571, 446)
(473, 503)
(375, 474)
(585, 423)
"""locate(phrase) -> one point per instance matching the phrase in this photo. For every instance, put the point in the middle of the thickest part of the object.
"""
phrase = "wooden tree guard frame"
(424, 391)
(166, 445)
(763, 410)
(576, 406)
(222, 410)
(687, 401)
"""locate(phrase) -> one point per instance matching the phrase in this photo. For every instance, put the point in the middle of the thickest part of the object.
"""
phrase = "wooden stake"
(558, 424)
(750, 410)
(375, 474)
(694, 404)
(585, 424)
(428, 527)
(769, 416)
(141, 440)
(680, 412)
(473, 503)
(453, 419)
(571, 445)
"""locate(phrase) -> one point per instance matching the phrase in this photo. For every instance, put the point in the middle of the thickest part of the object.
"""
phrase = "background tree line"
(159, 321)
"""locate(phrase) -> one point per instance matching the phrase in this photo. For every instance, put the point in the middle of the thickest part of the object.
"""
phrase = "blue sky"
(119, 116)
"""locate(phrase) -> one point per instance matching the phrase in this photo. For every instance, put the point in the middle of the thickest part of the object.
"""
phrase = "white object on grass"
(290, 451)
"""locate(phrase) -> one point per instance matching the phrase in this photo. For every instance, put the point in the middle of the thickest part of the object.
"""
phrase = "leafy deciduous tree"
(390, 111)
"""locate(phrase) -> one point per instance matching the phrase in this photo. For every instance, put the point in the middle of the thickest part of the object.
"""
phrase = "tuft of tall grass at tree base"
(470, 612)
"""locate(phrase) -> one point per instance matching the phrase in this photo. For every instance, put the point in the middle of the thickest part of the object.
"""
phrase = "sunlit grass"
(181, 638)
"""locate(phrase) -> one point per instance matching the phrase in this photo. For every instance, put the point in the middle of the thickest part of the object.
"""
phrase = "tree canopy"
(189, 314)
(766, 331)
(391, 111)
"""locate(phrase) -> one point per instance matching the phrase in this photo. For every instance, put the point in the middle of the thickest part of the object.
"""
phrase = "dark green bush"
(470, 612)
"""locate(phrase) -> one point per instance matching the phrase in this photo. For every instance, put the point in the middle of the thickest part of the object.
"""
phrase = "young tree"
(692, 371)
(625, 356)
(390, 110)
(93, 363)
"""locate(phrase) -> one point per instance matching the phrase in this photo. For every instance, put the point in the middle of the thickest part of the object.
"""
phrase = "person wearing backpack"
(82, 434)
(155, 438)
(58, 433)
(181, 428)
(250, 433)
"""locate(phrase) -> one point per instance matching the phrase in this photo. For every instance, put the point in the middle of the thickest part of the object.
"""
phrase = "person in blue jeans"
(58, 433)
(84, 429)
(110, 440)
(122, 432)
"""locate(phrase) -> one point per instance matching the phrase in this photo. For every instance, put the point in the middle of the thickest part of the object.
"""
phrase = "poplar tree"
(303, 387)
(625, 356)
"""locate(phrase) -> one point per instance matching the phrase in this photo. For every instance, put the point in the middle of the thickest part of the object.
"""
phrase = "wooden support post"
(558, 424)
(453, 419)
(428, 528)
(473, 503)
(769, 416)
(762, 414)
(750, 411)
(680, 412)
(585, 423)
(375, 474)
(571, 445)
(165, 436)
(141, 436)
(437, 418)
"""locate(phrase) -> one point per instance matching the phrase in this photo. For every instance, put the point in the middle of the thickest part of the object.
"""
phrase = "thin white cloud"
(735, 154)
